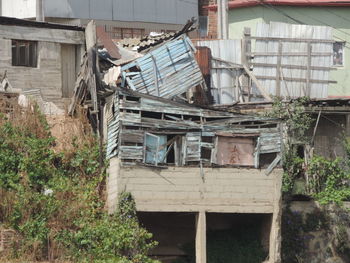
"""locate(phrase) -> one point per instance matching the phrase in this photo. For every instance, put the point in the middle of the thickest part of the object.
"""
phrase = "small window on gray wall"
(24, 53)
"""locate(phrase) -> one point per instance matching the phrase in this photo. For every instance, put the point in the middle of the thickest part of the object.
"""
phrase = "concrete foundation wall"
(182, 189)
(191, 189)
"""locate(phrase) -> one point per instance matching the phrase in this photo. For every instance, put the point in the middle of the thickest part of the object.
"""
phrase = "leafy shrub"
(55, 200)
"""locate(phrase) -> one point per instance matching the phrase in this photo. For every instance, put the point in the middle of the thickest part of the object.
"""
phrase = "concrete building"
(334, 14)
(41, 60)
(120, 18)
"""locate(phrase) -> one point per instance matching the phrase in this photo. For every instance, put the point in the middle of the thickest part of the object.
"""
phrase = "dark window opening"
(132, 98)
(131, 127)
(300, 151)
(151, 114)
(208, 139)
(338, 54)
(24, 53)
(266, 159)
(192, 118)
(172, 117)
(206, 154)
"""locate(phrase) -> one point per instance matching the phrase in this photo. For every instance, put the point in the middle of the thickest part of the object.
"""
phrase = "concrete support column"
(347, 125)
(40, 10)
(201, 238)
(112, 184)
(275, 234)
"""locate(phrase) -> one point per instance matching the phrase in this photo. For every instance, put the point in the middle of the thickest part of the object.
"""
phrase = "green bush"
(55, 200)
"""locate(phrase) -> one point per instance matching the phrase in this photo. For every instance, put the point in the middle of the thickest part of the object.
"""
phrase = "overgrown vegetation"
(55, 200)
(326, 180)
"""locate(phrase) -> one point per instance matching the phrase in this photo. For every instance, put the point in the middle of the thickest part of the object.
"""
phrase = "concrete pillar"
(219, 19)
(112, 184)
(275, 234)
(201, 238)
(40, 10)
(224, 18)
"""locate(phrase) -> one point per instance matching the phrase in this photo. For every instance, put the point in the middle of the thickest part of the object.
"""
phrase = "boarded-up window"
(156, 146)
(24, 53)
(235, 150)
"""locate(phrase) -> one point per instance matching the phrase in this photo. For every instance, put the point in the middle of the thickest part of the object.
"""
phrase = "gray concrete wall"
(183, 189)
(187, 189)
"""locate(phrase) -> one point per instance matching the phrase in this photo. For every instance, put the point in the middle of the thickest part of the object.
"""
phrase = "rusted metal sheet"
(107, 42)
(235, 150)
(203, 58)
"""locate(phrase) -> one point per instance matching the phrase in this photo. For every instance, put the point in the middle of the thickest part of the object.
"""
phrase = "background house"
(121, 19)
(41, 60)
(334, 14)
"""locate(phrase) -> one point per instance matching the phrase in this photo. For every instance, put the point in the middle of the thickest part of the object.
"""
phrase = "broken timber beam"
(257, 83)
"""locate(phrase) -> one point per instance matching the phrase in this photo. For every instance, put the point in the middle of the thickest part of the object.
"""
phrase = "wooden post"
(246, 59)
(278, 70)
(308, 72)
(155, 75)
(201, 238)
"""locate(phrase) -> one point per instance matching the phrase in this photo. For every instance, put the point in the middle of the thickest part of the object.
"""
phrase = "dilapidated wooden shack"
(150, 130)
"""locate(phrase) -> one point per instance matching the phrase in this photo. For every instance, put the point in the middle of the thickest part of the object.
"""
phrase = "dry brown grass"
(66, 129)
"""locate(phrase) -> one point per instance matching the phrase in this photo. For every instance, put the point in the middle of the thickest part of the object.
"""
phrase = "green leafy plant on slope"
(55, 200)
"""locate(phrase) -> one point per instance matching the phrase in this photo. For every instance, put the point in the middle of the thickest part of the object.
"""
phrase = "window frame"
(343, 54)
(30, 53)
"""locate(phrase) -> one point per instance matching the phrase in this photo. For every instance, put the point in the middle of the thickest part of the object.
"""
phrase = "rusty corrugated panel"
(107, 43)
(203, 57)
(235, 150)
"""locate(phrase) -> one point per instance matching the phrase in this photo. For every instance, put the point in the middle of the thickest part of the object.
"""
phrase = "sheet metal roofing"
(248, 3)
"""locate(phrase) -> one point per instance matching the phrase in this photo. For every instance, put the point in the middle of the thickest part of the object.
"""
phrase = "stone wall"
(324, 232)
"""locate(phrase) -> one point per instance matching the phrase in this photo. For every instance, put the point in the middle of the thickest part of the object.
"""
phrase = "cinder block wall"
(46, 77)
(191, 189)
(182, 189)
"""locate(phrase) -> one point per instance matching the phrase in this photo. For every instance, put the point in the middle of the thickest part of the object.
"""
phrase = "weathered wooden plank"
(131, 136)
(131, 152)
